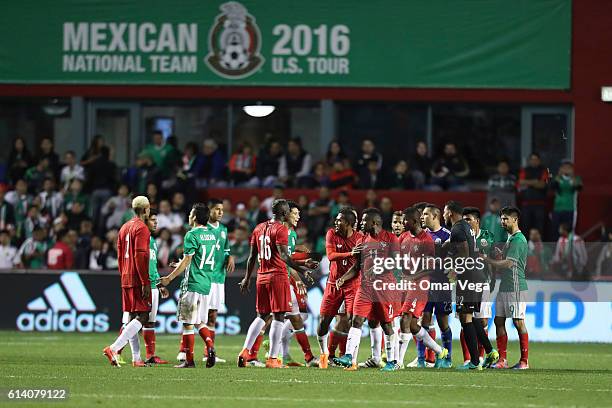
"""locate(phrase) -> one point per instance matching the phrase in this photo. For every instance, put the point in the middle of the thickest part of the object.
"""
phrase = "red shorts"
(133, 301)
(415, 301)
(372, 306)
(302, 300)
(333, 298)
(273, 294)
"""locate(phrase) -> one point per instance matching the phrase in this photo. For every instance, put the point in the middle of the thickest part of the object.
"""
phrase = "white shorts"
(486, 306)
(511, 304)
(193, 308)
(217, 296)
(154, 306)
(295, 307)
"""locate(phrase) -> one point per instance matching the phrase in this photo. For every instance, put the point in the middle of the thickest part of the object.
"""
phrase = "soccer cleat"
(370, 363)
(274, 363)
(313, 362)
(155, 360)
(414, 363)
(323, 361)
(180, 357)
(390, 366)
(211, 358)
(185, 364)
(521, 365)
(243, 357)
(470, 366)
(139, 363)
(255, 363)
(421, 363)
(344, 361)
(121, 360)
(501, 363)
(218, 360)
(112, 356)
(490, 359)
(442, 360)
(290, 362)
(353, 367)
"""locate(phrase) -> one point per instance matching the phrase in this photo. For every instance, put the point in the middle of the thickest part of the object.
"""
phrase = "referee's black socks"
(469, 332)
(481, 334)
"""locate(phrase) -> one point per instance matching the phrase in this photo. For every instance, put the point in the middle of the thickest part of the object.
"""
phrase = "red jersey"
(383, 245)
(338, 251)
(417, 246)
(266, 236)
(133, 253)
(60, 256)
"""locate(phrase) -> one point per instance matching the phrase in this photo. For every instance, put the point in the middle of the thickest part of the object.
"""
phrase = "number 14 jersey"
(200, 243)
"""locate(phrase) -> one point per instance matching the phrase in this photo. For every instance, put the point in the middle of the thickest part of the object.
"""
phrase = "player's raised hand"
(165, 294)
(245, 286)
(357, 249)
(146, 291)
(231, 264)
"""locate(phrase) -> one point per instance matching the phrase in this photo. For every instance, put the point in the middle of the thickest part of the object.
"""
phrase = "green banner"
(391, 43)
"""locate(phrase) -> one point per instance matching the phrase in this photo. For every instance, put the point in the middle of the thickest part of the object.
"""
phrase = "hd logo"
(54, 311)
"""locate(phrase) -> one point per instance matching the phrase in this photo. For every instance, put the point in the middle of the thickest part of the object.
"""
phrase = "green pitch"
(563, 375)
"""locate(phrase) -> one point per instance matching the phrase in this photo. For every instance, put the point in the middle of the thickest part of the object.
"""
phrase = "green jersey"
(200, 244)
(292, 239)
(484, 246)
(492, 223)
(153, 273)
(222, 251)
(513, 278)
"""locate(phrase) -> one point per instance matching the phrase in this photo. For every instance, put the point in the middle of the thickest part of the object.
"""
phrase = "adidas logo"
(64, 306)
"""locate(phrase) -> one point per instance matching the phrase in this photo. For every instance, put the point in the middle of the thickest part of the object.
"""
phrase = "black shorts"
(468, 301)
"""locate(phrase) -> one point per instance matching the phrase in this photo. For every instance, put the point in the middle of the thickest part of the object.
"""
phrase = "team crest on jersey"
(223, 235)
(484, 242)
(234, 43)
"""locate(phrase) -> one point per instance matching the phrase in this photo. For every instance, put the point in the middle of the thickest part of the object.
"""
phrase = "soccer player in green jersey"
(224, 263)
(484, 248)
(511, 299)
(198, 263)
(157, 290)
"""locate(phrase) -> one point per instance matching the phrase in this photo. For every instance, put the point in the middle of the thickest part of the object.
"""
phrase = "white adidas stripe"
(57, 299)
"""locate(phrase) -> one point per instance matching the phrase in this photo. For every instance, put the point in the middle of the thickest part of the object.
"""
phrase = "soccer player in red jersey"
(416, 243)
(372, 300)
(269, 246)
(341, 247)
(133, 257)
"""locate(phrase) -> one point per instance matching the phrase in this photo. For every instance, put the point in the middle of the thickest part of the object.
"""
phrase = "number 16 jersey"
(266, 237)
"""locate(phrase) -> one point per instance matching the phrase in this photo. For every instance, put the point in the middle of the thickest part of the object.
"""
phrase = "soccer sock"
(256, 326)
(121, 331)
(427, 341)
(148, 333)
(188, 344)
(524, 342)
(135, 347)
(482, 337)
(276, 332)
(285, 338)
(502, 346)
(212, 334)
(131, 329)
(302, 339)
(256, 346)
(471, 340)
(464, 347)
(390, 347)
(181, 346)
(354, 336)
(481, 349)
(397, 330)
(447, 341)
(421, 346)
(429, 354)
(342, 342)
(323, 344)
(404, 340)
(376, 336)
(206, 335)
(334, 339)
